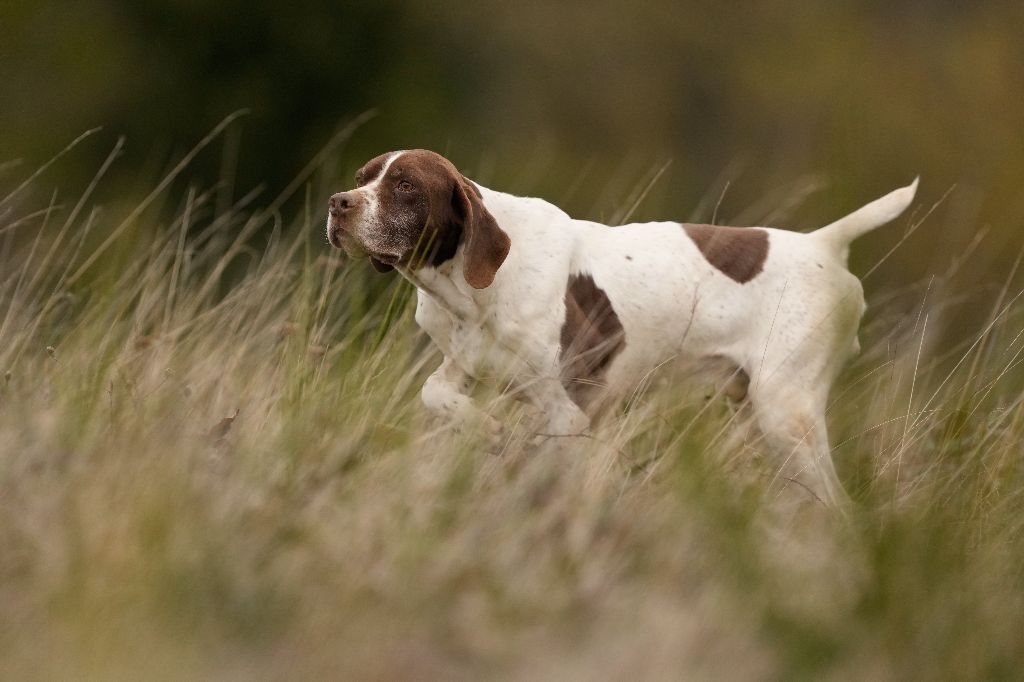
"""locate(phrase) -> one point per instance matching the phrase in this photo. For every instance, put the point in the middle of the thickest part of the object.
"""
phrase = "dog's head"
(414, 208)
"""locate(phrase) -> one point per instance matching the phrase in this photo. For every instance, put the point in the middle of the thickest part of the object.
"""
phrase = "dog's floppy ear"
(485, 245)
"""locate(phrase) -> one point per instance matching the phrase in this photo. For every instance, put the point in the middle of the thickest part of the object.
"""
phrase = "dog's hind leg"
(792, 421)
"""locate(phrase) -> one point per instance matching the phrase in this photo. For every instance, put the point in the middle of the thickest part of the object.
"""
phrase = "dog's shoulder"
(516, 209)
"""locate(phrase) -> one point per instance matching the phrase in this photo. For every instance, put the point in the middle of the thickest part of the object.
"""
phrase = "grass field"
(332, 529)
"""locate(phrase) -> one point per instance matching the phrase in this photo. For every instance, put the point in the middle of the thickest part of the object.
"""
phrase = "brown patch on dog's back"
(592, 335)
(738, 252)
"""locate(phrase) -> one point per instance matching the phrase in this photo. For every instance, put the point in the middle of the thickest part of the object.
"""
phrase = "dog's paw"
(494, 435)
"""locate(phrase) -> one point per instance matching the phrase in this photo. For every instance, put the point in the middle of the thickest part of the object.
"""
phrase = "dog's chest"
(468, 341)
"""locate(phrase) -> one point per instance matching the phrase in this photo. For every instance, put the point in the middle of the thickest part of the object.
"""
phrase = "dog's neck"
(447, 287)
(445, 283)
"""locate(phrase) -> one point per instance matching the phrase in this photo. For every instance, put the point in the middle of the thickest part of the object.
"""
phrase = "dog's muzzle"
(340, 208)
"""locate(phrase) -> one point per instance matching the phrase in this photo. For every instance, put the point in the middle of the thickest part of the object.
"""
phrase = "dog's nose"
(341, 202)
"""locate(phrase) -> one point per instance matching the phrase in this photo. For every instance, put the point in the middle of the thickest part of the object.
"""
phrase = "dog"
(577, 312)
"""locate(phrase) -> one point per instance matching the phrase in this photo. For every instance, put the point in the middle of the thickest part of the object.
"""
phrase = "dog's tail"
(880, 211)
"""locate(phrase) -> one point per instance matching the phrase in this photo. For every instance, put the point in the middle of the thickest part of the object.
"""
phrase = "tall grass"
(213, 463)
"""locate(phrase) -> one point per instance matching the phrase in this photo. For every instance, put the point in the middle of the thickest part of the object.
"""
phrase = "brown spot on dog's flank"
(592, 335)
(738, 252)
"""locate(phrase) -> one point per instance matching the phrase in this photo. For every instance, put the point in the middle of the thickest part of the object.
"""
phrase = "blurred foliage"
(575, 101)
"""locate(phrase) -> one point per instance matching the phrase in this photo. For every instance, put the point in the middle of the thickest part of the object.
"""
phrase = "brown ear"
(485, 245)
(380, 266)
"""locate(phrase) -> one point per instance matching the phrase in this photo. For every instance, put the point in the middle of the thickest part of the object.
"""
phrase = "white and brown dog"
(577, 313)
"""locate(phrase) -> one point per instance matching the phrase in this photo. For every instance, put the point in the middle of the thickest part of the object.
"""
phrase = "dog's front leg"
(563, 417)
(445, 393)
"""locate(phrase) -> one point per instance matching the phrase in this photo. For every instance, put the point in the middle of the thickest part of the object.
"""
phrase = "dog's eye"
(359, 178)
(405, 186)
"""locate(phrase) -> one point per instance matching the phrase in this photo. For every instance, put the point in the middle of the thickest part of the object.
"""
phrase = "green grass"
(336, 530)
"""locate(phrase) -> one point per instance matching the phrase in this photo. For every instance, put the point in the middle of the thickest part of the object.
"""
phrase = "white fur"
(790, 328)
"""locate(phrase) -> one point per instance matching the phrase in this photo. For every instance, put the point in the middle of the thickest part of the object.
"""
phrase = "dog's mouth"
(340, 239)
(383, 263)
(334, 234)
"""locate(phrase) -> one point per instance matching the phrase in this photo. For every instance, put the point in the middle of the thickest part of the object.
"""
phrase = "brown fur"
(592, 335)
(370, 170)
(444, 203)
(738, 252)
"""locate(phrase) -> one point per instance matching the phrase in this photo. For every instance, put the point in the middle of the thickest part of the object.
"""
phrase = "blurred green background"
(579, 102)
